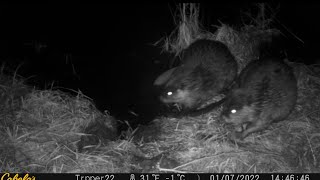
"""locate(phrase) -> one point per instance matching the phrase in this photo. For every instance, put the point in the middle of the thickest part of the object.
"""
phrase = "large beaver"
(208, 68)
(266, 92)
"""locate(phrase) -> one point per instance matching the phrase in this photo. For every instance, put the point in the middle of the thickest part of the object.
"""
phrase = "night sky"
(110, 46)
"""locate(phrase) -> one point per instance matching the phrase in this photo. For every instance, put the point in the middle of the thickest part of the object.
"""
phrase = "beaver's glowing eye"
(233, 111)
(169, 93)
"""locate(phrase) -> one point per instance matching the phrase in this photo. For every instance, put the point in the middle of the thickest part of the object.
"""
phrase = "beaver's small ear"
(164, 77)
(241, 95)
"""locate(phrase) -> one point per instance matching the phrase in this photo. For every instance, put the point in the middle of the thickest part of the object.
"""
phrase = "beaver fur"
(208, 69)
(265, 92)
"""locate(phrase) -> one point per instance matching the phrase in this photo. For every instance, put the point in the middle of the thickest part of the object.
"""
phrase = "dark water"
(106, 51)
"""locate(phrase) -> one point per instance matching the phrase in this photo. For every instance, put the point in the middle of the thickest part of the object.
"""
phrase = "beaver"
(265, 92)
(208, 69)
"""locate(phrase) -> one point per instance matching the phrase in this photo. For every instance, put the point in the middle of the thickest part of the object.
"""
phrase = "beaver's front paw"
(237, 136)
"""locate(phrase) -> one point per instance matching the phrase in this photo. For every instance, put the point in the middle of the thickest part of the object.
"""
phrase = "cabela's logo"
(6, 176)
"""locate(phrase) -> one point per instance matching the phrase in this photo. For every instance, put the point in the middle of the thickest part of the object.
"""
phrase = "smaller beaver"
(265, 92)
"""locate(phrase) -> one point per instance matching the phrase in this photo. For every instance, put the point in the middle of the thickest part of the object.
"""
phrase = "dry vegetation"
(49, 130)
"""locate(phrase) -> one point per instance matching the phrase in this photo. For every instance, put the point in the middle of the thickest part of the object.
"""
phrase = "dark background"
(109, 46)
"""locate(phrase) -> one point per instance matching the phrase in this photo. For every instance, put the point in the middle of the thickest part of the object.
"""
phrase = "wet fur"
(208, 68)
(266, 92)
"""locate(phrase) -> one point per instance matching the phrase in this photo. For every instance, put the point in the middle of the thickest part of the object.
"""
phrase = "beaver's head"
(237, 108)
(178, 96)
(175, 85)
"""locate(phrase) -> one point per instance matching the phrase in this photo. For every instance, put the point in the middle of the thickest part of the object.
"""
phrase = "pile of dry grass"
(202, 145)
(41, 131)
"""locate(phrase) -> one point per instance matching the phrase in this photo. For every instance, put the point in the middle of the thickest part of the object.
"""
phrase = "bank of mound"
(54, 131)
